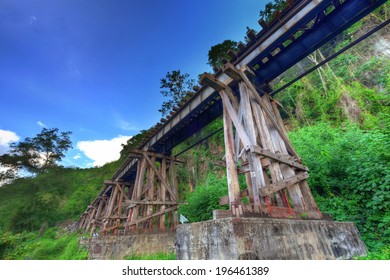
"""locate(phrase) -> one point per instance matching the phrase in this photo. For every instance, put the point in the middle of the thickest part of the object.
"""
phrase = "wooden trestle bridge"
(143, 194)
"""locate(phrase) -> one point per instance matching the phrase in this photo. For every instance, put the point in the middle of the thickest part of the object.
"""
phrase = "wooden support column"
(91, 218)
(231, 169)
(280, 146)
(110, 208)
(138, 186)
(150, 197)
(98, 214)
(256, 173)
(307, 196)
(175, 190)
(163, 168)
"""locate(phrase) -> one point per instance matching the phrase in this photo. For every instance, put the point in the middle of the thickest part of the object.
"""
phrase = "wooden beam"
(143, 202)
(251, 34)
(279, 158)
(211, 81)
(151, 216)
(122, 191)
(231, 170)
(248, 71)
(231, 71)
(157, 155)
(173, 196)
(110, 182)
(277, 186)
(224, 200)
(150, 195)
(163, 192)
(233, 116)
(257, 177)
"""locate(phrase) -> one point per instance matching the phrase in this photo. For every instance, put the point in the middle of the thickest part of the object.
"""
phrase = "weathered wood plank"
(211, 81)
(110, 182)
(231, 170)
(155, 202)
(257, 177)
(138, 187)
(234, 118)
(279, 158)
(151, 176)
(274, 187)
(231, 71)
(159, 176)
(157, 155)
(151, 216)
(163, 168)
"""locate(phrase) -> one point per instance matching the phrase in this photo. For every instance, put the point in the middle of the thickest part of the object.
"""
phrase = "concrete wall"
(259, 238)
(118, 247)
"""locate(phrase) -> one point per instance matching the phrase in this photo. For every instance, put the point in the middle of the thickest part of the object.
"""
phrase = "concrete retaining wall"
(273, 239)
(118, 247)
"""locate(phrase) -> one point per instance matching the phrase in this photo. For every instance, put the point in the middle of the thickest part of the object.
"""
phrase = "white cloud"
(76, 157)
(41, 124)
(103, 151)
(6, 137)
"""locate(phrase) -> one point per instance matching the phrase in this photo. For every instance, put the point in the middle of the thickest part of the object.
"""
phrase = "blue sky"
(93, 67)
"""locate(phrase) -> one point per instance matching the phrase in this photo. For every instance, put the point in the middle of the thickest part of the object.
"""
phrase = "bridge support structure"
(148, 203)
(257, 145)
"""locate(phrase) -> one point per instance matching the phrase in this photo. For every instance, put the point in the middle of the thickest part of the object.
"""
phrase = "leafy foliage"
(205, 199)
(271, 9)
(350, 175)
(219, 52)
(38, 154)
(52, 245)
(175, 86)
(53, 197)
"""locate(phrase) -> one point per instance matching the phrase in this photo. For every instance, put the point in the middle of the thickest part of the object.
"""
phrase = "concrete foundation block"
(268, 239)
(118, 247)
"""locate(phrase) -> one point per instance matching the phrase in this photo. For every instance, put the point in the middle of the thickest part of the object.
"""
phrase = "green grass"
(156, 256)
(54, 244)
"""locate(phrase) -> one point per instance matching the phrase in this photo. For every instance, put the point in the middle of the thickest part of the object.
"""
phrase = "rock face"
(118, 247)
(268, 239)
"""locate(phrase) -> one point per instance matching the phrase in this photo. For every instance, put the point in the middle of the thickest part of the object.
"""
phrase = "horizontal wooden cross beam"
(279, 158)
(152, 202)
(153, 215)
(277, 186)
(110, 182)
(224, 200)
(157, 155)
(211, 81)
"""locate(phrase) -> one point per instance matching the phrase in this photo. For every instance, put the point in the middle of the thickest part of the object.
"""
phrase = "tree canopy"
(174, 86)
(37, 154)
(219, 52)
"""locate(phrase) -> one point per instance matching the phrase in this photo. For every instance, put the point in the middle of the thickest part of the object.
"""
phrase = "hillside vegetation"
(338, 120)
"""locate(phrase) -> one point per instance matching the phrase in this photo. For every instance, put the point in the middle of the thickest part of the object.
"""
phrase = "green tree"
(271, 9)
(37, 154)
(219, 52)
(174, 86)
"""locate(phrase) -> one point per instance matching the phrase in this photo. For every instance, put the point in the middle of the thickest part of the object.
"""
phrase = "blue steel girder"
(329, 26)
